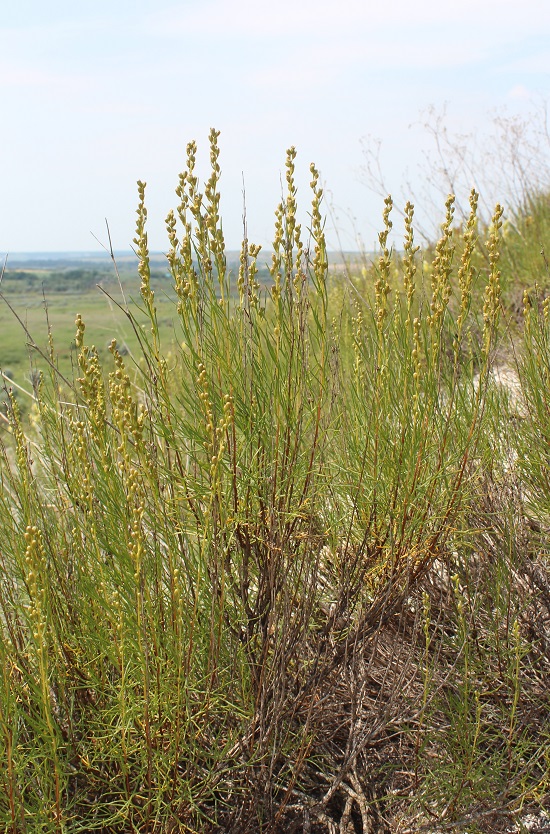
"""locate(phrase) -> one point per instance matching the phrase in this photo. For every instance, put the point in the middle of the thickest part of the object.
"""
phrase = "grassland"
(289, 571)
(46, 291)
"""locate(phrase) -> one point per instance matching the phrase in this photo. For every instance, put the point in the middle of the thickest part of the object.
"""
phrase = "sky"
(96, 95)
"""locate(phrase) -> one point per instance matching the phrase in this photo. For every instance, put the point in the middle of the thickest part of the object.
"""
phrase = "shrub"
(211, 568)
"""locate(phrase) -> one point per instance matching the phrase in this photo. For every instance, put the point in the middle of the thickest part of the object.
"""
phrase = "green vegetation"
(288, 572)
(53, 291)
(54, 295)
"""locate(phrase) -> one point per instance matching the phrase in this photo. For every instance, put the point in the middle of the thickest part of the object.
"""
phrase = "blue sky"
(95, 95)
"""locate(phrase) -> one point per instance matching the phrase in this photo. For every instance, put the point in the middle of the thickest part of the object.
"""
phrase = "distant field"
(42, 292)
(55, 287)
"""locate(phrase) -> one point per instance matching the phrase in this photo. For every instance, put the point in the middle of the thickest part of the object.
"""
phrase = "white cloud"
(538, 63)
(349, 64)
(520, 91)
(12, 75)
(263, 18)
